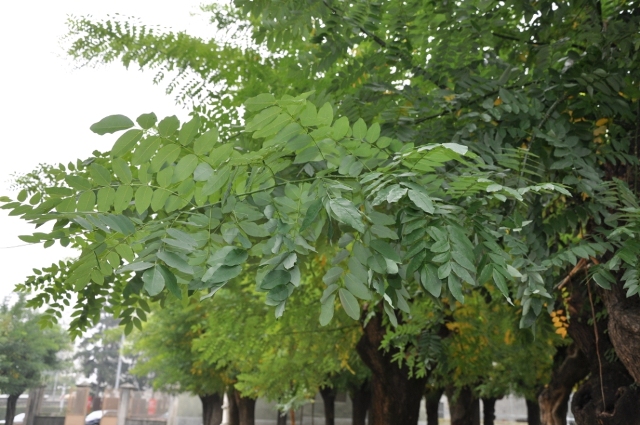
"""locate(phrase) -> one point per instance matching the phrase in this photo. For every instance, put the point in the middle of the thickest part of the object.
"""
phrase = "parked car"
(94, 417)
(19, 418)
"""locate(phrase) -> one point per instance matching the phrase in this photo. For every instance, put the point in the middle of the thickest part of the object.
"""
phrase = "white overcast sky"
(47, 102)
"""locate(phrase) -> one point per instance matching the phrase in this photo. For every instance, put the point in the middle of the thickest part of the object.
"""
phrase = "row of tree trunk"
(604, 358)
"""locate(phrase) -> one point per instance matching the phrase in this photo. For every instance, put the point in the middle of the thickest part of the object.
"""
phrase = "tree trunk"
(282, 418)
(246, 409)
(234, 415)
(464, 407)
(570, 366)
(395, 398)
(360, 403)
(329, 401)
(432, 403)
(211, 409)
(533, 412)
(489, 410)
(608, 396)
(12, 400)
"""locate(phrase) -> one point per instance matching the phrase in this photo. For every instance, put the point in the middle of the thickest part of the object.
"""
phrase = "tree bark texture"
(395, 398)
(533, 412)
(211, 409)
(608, 396)
(246, 409)
(432, 403)
(12, 400)
(488, 410)
(463, 407)
(329, 401)
(234, 415)
(570, 366)
(360, 403)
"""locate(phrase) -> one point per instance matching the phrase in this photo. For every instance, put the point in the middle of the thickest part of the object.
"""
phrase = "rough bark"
(533, 412)
(395, 398)
(211, 409)
(329, 401)
(463, 407)
(360, 403)
(570, 366)
(624, 327)
(234, 415)
(12, 400)
(489, 410)
(607, 397)
(432, 403)
(246, 409)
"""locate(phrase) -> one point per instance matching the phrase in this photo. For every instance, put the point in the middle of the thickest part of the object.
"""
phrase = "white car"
(19, 418)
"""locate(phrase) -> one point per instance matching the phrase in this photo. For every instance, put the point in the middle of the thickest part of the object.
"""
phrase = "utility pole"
(119, 370)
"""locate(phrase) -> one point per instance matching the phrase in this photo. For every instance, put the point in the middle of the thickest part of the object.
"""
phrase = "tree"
(99, 354)
(26, 351)
(165, 344)
(499, 89)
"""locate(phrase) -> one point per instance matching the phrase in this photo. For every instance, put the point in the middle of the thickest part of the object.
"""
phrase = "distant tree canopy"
(26, 351)
(432, 148)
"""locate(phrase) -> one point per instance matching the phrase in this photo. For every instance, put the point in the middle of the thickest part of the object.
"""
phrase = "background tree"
(165, 349)
(26, 351)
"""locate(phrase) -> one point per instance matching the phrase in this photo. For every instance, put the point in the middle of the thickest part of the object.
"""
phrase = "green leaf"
(385, 249)
(275, 278)
(327, 309)
(340, 128)
(347, 213)
(500, 282)
(189, 130)
(147, 121)
(122, 198)
(349, 303)
(202, 172)
(185, 167)
(100, 175)
(444, 270)
(373, 133)
(86, 201)
(455, 286)
(430, 280)
(168, 126)
(166, 155)
(253, 229)
(359, 129)
(145, 150)
(325, 115)
(356, 287)
(125, 143)
(236, 256)
(106, 196)
(422, 201)
(143, 198)
(169, 281)
(78, 182)
(224, 274)
(205, 143)
(262, 119)
(332, 275)
(182, 236)
(174, 260)
(111, 124)
(309, 115)
(154, 280)
(311, 214)
(277, 295)
(260, 102)
(121, 170)
(125, 252)
(462, 273)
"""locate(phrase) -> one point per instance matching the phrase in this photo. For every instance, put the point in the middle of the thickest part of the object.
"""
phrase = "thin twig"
(595, 333)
